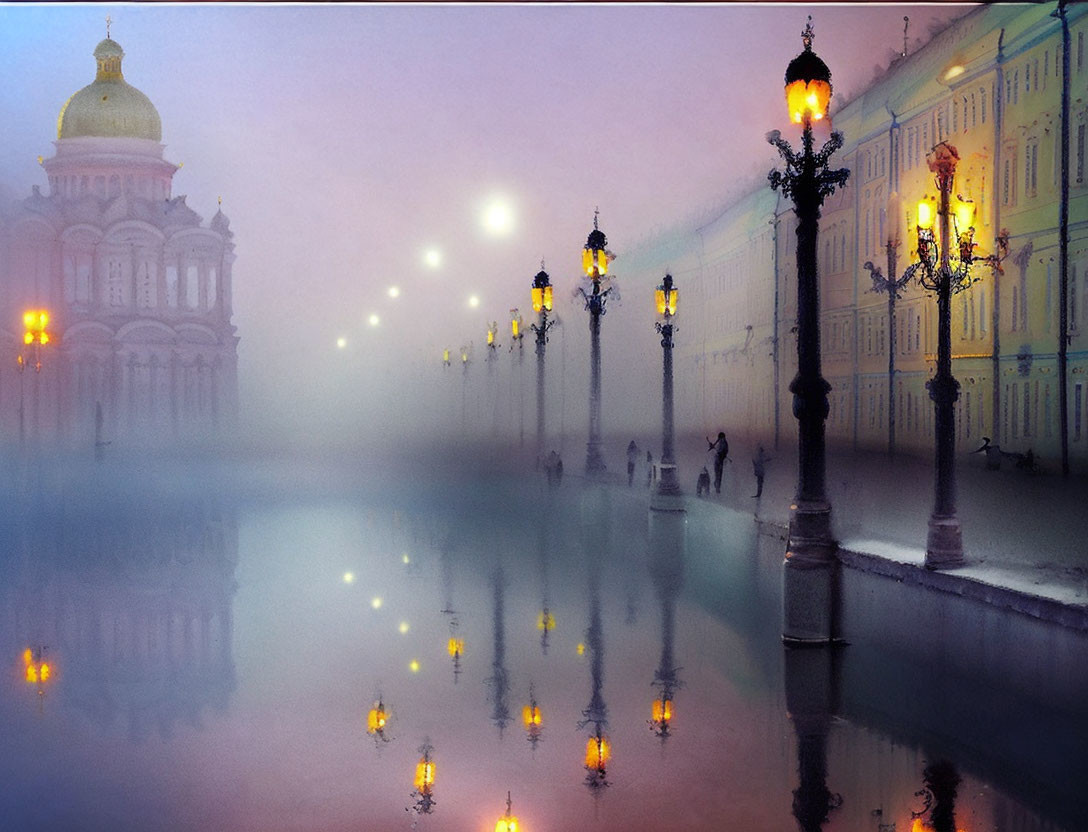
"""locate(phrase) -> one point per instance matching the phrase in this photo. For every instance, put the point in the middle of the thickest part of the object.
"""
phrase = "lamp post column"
(668, 494)
(810, 571)
(542, 305)
(892, 245)
(944, 542)
(595, 259)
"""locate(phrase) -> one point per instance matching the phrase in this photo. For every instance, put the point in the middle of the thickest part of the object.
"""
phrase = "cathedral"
(115, 296)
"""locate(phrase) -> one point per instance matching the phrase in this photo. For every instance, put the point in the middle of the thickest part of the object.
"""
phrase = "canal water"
(213, 644)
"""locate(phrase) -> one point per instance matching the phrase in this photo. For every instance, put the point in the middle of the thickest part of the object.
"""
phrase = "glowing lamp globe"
(598, 752)
(531, 716)
(925, 215)
(515, 325)
(662, 711)
(542, 292)
(808, 84)
(545, 621)
(376, 720)
(424, 773)
(456, 647)
(666, 301)
(491, 337)
(965, 216)
(594, 256)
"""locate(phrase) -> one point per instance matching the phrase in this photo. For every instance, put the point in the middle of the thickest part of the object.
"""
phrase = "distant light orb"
(376, 603)
(405, 559)
(373, 320)
(341, 342)
(349, 577)
(394, 291)
(473, 301)
(433, 258)
(580, 649)
(413, 665)
(403, 627)
(498, 218)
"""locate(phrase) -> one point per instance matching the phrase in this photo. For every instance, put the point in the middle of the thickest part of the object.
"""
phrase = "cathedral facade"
(135, 285)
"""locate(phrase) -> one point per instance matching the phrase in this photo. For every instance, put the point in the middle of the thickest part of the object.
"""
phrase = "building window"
(918, 332)
(172, 287)
(1077, 390)
(967, 414)
(192, 287)
(1015, 307)
(1073, 296)
(1078, 176)
(213, 288)
(1031, 167)
(982, 310)
(1046, 410)
(1027, 409)
(1015, 411)
(1080, 51)
(1027, 78)
(983, 95)
(963, 303)
(115, 284)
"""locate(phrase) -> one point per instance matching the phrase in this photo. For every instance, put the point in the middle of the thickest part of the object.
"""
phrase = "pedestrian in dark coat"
(632, 458)
(759, 463)
(720, 447)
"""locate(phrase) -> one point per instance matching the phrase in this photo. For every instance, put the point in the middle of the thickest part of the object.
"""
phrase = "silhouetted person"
(632, 458)
(703, 485)
(759, 462)
(720, 447)
(649, 469)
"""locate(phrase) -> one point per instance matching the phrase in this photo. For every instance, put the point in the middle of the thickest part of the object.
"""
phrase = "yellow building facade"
(992, 86)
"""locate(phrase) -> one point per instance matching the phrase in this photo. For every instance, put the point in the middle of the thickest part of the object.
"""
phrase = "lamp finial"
(807, 35)
(596, 211)
(109, 20)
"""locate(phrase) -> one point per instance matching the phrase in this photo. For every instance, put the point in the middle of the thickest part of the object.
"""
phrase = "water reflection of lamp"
(37, 671)
(598, 748)
(455, 646)
(508, 822)
(667, 571)
(545, 621)
(377, 720)
(499, 682)
(145, 627)
(811, 679)
(532, 718)
(941, 780)
(424, 781)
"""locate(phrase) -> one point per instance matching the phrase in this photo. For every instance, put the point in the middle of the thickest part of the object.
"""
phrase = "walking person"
(632, 458)
(720, 447)
(649, 469)
(759, 463)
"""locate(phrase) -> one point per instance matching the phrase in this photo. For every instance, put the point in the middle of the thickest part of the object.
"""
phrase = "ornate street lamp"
(595, 260)
(532, 719)
(492, 341)
(944, 267)
(464, 386)
(446, 358)
(668, 493)
(890, 284)
(35, 336)
(542, 305)
(424, 781)
(809, 569)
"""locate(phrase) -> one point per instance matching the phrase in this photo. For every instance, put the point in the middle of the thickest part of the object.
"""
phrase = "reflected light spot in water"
(580, 649)
(403, 627)
(376, 603)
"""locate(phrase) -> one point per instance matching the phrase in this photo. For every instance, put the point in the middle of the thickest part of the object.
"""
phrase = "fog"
(348, 141)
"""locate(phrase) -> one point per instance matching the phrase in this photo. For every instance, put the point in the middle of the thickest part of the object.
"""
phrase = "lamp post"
(38, 671)
(891, 285)
(944, 267)
(809, 568)
(542, 305)
(667, 496)
(35, 337)
(508, 822)
(517, 326)
(595, 265)
(464, 385)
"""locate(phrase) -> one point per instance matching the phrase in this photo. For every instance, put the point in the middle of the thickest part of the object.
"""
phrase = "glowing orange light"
(545, 621)
(530, 715)
(925, 214)
(37, 671)
(598, 753)
(456, 646)
(662, 710)
(515, 327)
(808, 99)
(662, 306)
(424, 773)
(490, 337)
(508, 822)
(376, 720)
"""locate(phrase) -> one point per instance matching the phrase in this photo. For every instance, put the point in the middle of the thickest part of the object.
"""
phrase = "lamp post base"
(667, 496)
(944, 543)
(810, 577)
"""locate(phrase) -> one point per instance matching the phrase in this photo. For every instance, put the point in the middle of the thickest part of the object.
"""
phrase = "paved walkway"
(1024, 534)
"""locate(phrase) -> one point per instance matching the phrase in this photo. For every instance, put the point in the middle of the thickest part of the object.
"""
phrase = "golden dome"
(109, 106)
